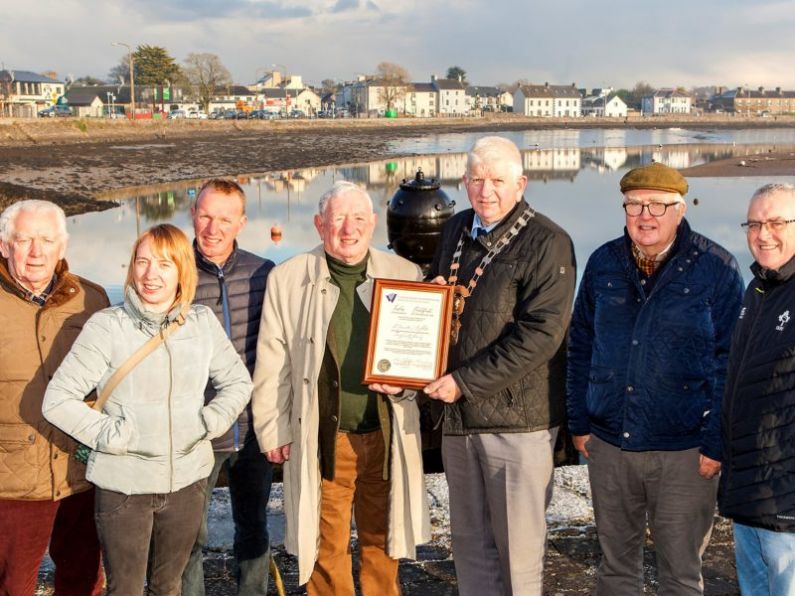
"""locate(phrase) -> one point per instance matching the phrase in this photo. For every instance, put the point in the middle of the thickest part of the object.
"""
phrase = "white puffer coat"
(153, 434)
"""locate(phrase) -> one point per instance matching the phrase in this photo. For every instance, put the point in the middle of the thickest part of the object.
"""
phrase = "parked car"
(177, 114)
(235, 115)
(295, 113)
(55, 111)
(262, 115)
(198, 114)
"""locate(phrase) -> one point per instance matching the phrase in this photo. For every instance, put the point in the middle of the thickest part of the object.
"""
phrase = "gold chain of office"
(460, 292)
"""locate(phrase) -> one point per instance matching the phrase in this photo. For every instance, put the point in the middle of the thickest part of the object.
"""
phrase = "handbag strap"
(137, 357)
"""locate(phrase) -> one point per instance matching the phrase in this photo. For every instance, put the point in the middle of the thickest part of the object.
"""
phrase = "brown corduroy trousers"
(358, 488)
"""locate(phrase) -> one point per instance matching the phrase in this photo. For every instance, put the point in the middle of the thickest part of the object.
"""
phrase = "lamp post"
(132, 73)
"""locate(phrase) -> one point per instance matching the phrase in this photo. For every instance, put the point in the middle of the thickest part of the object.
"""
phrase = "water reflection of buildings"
(604, 159)
(549, 164)
(539, 164)
(291, 181)
(161, 202)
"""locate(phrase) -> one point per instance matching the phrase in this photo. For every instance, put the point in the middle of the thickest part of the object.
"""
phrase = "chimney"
(546, 85)
(761, 89)
(433, 78)
(778, 90)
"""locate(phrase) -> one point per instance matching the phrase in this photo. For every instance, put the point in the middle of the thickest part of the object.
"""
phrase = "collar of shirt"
(648, 265)
(40, 299)
(478, 225)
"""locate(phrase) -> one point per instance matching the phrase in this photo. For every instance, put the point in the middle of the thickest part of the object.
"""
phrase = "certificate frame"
(431, 333)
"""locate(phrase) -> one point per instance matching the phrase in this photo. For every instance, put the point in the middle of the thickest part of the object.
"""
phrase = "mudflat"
(71, 160)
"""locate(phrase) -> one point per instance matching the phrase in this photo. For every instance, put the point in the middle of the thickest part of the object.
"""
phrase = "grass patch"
(82, 125)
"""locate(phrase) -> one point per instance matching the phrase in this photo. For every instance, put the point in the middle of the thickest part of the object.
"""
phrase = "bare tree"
(6, 90)
(121, 72)
(641, 90)
(205, 72)
(393, 79)
(328, 85)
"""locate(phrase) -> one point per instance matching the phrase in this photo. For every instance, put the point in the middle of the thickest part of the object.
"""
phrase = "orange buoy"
(276, 233)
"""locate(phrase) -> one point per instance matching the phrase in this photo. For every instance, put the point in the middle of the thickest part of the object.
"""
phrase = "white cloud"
(614, 43)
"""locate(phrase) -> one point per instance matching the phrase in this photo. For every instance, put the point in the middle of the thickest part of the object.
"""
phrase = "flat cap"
(655, 177)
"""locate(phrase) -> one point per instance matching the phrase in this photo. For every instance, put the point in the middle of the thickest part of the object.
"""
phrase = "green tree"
(625, 95)
(154, 66)
(456, 73)
(205, 73)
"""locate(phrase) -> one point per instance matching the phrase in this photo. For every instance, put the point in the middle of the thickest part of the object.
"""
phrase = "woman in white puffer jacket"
(151, 441)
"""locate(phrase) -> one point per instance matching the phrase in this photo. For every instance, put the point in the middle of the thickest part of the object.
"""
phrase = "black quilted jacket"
(243, 276)
(757, 483)
(509, 361)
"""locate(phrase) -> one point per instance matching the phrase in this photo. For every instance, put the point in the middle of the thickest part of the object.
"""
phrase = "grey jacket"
(153, 435)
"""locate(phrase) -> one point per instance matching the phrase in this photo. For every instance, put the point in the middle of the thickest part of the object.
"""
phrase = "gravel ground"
(571, 559)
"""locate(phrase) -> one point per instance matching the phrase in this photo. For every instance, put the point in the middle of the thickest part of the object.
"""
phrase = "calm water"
(573, 179)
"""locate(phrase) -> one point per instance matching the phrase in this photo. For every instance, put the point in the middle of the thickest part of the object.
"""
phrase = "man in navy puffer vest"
(232, 283)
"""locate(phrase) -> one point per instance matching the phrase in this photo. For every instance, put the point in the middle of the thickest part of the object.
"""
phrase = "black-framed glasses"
(655, 209)
(774, 225)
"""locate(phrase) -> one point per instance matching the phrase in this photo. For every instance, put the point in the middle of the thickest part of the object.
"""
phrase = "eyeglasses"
(655, 209)
(774, 225)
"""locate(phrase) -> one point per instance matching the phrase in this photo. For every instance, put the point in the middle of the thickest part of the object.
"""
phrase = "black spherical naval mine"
(415, 216)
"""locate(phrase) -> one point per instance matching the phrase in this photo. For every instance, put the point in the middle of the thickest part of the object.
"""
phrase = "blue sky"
(612, 43)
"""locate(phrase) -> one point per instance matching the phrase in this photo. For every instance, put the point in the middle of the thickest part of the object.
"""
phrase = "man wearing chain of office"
(513, 270)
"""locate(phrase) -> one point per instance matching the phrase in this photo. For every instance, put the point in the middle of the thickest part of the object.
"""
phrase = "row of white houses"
(23, 93)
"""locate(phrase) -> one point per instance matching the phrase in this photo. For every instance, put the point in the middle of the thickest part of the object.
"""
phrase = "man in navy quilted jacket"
(647, 356)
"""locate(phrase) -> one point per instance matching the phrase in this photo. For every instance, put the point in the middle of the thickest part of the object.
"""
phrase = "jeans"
(765, 561)
(158, 529)
(68, 526)
(250, 476)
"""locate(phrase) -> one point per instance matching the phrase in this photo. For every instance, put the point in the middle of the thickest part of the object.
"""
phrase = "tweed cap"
(655, 176)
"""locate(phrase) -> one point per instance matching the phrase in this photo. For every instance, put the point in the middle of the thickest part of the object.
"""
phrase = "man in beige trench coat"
(344, 447)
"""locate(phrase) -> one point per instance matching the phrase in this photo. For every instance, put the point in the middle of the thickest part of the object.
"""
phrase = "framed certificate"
(409, 333)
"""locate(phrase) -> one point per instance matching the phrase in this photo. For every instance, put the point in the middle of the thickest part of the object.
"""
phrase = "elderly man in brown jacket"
(44, 496)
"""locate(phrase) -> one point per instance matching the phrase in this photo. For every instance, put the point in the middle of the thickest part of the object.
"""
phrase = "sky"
(613, 43)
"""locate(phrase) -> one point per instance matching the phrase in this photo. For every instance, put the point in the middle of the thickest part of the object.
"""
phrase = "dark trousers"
(250, 476)
(157, 528)
(664, 487)
(26, 527)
